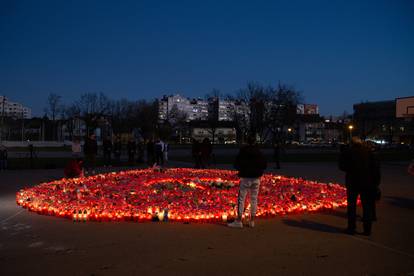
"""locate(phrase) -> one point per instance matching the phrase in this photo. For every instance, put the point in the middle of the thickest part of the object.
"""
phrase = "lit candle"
(161, 216)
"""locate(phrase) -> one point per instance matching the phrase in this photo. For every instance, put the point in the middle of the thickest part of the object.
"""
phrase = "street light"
(350, 127)
(289, 135)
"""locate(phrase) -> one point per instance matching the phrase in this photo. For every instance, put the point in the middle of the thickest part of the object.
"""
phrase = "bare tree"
(281, 109)
(256, 97)
(239, 114)
(269, 110)
(54, 106)
(53, 110)
(92, 107)
(72, 115)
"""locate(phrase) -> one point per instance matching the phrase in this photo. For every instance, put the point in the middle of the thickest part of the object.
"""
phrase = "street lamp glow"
(351, 127)
(289, 130)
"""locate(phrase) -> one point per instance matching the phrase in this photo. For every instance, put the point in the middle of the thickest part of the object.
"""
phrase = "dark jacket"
(73, 169)
(107, 146)
(3, 154)
(90, 147)
(250, 162)
(361, 166)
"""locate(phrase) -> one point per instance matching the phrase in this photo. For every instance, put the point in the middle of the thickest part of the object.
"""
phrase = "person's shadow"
(312, 225)
(401, 202)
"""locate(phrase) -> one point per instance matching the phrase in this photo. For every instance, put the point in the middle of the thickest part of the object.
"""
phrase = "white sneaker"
(251, 224)
(235, 224)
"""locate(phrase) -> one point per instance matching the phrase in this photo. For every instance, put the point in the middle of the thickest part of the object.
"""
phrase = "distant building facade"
(195, 109)
(378, 121)
(200, 109)
(307, 109)
(14, 109)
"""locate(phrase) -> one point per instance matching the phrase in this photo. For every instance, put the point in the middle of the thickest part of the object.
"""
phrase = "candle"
(161, 216)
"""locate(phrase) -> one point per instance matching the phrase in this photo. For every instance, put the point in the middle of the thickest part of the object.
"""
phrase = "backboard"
(404, 107)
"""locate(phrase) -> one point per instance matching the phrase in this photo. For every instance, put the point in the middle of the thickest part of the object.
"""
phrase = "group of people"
(135, 151)
(157, 153)
(202, 153)
(358, 160)
(363, 176)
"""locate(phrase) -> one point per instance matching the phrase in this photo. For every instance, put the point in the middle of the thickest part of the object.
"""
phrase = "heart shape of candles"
(178, 194)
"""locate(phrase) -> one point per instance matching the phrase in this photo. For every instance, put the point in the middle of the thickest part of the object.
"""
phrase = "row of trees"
(96, 109)
(269, 110)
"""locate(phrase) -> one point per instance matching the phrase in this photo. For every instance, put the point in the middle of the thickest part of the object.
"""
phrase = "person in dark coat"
(251, 163)
(131, 148)
(276, 154)
(91, 150)
(150, 152)
(107, 151)
(206, 150)
(196, 153)
(159, 152)
(31, 155)
(118, 150)
(362, 178)
(3, 157)
(140, 151)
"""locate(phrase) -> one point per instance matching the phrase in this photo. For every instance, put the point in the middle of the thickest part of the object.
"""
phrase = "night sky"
(336, 52)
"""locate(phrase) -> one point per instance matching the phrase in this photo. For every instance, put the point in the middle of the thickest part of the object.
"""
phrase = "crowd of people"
(357, 159)
(113, 150)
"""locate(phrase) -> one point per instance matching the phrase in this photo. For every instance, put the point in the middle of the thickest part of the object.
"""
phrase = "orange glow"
(174, 194)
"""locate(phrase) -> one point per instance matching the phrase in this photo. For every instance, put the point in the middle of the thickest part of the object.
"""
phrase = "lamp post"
(289, 135)
(350, 128)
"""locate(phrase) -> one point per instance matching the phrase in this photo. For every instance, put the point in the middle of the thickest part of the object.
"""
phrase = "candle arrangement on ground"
(178, 194)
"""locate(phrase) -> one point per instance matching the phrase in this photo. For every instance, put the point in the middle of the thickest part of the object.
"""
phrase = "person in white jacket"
(76, 148)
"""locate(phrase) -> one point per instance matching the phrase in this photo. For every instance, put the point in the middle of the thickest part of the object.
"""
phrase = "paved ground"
(310, 244)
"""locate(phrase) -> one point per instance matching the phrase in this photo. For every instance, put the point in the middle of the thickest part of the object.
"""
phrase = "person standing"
(107, 150)
(166, 148)
(90, 149)
(159, 152)
(205, 153)
(3, 158)
(117, 150)
(131, 148)
(362, 177)
(196, 153)
(251, 163)
(31, 154)
(150, 152)
(140, 151)
(276, 154)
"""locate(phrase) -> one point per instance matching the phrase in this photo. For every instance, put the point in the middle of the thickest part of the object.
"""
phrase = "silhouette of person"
(362, 178)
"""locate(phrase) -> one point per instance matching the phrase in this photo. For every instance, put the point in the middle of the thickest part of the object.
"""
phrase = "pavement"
(306, 244)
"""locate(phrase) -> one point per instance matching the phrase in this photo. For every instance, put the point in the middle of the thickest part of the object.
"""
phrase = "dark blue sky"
(336, 52)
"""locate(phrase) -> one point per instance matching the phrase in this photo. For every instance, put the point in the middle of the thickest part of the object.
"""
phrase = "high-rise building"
(13, 109)
(194, 109)
(199, 109)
